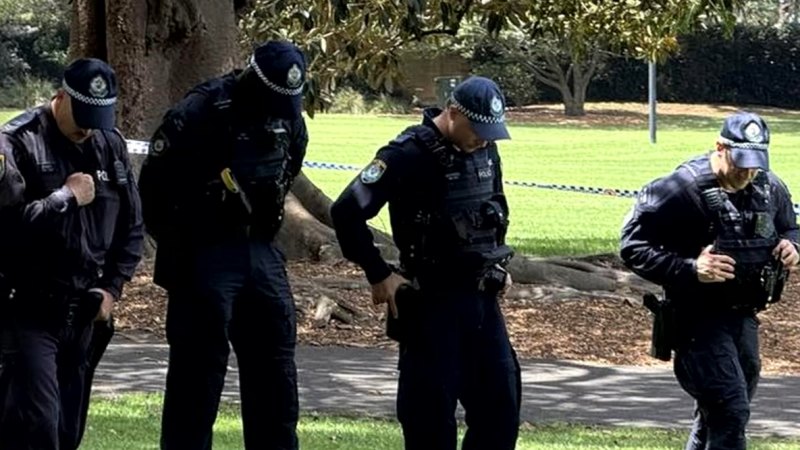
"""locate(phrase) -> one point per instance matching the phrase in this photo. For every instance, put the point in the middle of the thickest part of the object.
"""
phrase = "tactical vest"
(459, 223)
(748, 235)
(257, 156)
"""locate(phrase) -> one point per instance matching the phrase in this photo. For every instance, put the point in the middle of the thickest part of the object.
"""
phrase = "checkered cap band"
(475, 117)
(88, 100)
(279, 89)
(744, 145)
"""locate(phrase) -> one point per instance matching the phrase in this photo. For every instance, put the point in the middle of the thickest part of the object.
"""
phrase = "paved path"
(363, 381)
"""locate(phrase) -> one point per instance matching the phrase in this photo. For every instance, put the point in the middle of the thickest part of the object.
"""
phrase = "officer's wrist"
(377, 272)
(63, 200)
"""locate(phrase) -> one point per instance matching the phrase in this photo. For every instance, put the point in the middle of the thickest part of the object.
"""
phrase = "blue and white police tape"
(141, 148)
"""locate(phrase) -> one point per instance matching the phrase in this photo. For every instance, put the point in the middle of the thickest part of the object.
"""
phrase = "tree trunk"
(158, 48)
(579, 86)
(574, 107)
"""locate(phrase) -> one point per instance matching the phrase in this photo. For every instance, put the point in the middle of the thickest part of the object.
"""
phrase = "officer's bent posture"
(718, 234)
(213, 188)
(443, 183)
(72, 235)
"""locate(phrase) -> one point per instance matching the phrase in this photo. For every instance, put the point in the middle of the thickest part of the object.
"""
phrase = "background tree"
(33, 42)
(563, 43)
(770, 13)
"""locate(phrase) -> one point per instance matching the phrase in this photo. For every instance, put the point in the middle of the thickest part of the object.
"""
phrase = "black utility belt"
(71, 309)
(223, 232)
(490, 280)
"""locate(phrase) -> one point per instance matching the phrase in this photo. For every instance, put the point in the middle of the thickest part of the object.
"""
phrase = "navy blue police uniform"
(213, 189)
(449, 219)
(59, 251)
(11, 182)
(716, 342)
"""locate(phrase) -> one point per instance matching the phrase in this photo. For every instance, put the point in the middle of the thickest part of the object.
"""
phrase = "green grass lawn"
(7, 114)
(546, 222)
(132, 422)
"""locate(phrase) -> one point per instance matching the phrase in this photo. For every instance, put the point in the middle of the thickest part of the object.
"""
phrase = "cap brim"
(491, 131)
(745, 158)
(285, 106)
(90, 117)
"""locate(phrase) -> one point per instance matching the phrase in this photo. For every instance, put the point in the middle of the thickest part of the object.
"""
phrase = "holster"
(82, 309)
(664, 327)
(493, 280)
(406, 299)
(101, 337)
(773, 278)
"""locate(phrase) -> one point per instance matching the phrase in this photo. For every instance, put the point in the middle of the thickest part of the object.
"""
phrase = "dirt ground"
(577, 328)
(580, 328)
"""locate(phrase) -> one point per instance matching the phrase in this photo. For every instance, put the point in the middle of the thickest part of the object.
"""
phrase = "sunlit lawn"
(548, 222)
(132, 422)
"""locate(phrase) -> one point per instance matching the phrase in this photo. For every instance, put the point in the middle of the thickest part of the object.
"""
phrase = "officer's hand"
(384, 291)
(507, 286)
(713, 268)
(786, 251)
(106, 306)
(82, 187)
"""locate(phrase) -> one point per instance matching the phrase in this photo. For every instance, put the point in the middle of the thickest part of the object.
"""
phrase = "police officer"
(71, 238)
(213, 188)
(713, 233)
(11, 182)
(443, 183)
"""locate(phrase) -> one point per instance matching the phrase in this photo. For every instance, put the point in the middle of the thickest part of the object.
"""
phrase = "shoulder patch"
(402, 138)
(159, 145)
(2, 166)
(373, 171)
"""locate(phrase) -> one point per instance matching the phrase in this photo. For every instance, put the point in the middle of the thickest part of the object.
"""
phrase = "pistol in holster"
(80, 311)
(493, 280)
(406, 300)
(773, 279)
(663, 336)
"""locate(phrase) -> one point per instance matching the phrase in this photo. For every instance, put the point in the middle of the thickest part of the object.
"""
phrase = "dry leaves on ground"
(580, 328)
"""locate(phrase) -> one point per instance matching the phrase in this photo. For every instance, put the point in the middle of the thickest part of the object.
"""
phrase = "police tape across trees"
(571, 275)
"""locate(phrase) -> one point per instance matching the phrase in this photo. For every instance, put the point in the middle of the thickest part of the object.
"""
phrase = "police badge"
(160, 143)
(98, 87)
(753, 132)
(373, 171)
(764, 226)
(497, 107)
(294, 78)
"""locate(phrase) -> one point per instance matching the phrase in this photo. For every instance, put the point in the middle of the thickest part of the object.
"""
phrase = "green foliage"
(386, 104)
(757, 65)
(25, 92)
(770, 13)
(348, 101)
(344, 38)
(511, 74)
(34, 36)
